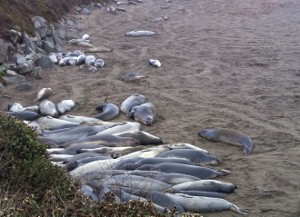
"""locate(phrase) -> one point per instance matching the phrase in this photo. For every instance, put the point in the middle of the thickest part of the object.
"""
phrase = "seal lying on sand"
(230, 137)
(108, 111)
(131, 101)
(144, 113)
(48, 108)
(139, 33)
(44, 93)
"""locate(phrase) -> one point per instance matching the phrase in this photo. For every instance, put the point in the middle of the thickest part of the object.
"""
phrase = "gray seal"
(197, 171)
(25, 115)
(48, 108)
(144, 113)
(229, 136)
(194, 156)
(206, 185)
(108, 111)
(204, 204)
(133, 76)
(143, 137)
(131, 101)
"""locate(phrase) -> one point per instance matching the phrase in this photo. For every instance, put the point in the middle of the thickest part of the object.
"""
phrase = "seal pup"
(155, 63)
(144, 113)
(131, 101)
(139, 33)
(101, 49)
(48, 108)
(229, 136)
(120, 128)
(44, 93)
(108, 111)
(80, 59)
(132, 76)
(65, 105)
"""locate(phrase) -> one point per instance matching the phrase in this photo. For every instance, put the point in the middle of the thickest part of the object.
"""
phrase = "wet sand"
(227, 63)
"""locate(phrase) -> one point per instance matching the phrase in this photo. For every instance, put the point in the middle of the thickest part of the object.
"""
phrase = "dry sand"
(225, 63)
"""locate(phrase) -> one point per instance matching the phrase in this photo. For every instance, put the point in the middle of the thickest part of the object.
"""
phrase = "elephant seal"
(15, 107)
(33, 108)
(48, 108)
(144, 113)
(131, 101)
(155, 63)
(194, 156)
(133, 76)
(229, 136)
(90, 60)
(197, 171)
(106, 140)
(80, 59)
(65, 105)
(25, 115)
(202, 193)
(108, 111)
(73, 165)
(140, 33)
(50, 123)
(143, 137)
(99, 63)
(121, 128)
(206, 185)
(44, 93)
(200, 204)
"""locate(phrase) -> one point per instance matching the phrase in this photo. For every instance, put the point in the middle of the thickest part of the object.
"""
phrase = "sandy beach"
(225, 64)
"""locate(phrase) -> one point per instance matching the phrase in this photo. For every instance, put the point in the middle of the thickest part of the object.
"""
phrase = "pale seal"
(155, 63)
(108, 111)
(131, 101)
(139, 33)
(229, 136)
(65, 105)
(144, 113)
(48, 108)
(90, 60)
(15, 107)
(44, 93)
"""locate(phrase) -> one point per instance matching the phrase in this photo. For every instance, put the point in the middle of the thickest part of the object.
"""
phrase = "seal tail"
(238, 210)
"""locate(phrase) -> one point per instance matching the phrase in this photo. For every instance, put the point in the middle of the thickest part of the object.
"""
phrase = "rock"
(24, 87)
(33, 56)
(18, 79)
(70, 23)
(98, 5)
(11, 73)
(85, 11)
(45, 62)
(21, 60)
(61, 32)
(28, 41)
(36, 73)
(14, 36)
(41, 51)
(48, 47)
(26, 49)
(26, 67)
(3, 51)
(55, 35)
(38, 22)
